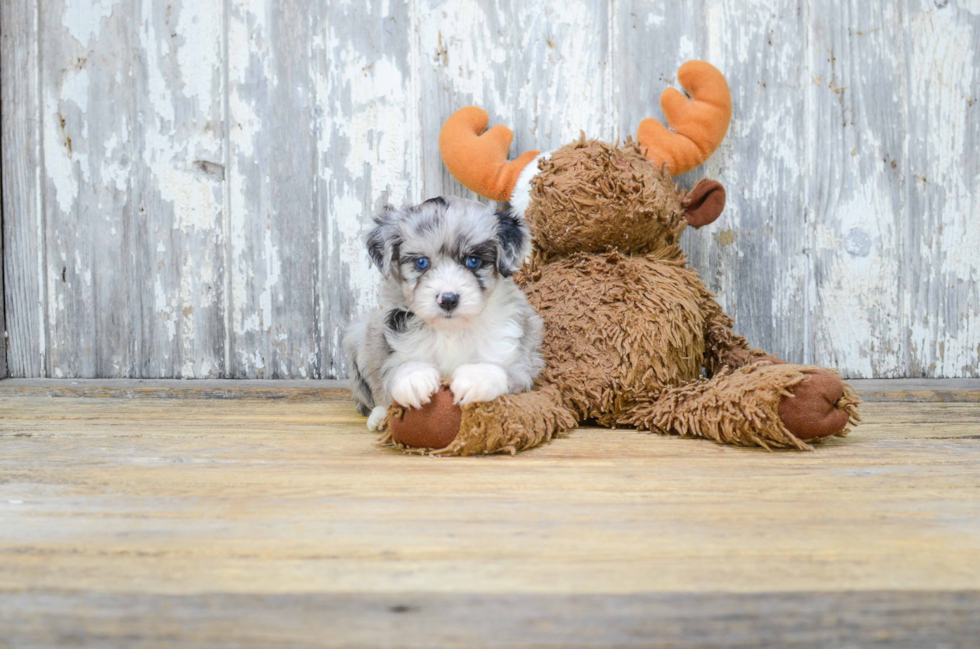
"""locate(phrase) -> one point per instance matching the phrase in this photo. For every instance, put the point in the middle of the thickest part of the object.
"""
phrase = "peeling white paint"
(115, 172)
(197, 203)
(164, 309)
(199, 26)
(75, 89)
(377, 114)
(861, 320)
(273, 269)
(364, 280)
(942, 81)
(378, 111)
(83, 18)
(58, 159)
(248, 47)
(248, 36)
(182, 58)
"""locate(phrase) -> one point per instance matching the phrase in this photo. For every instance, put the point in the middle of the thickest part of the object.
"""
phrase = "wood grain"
(20, 168)
(179, 164)
(175, 518)
(88, 113)
(273, 158)
(755, 256)
(3, 319)
(907, 390)
(942, 320)
(186, 186)
(856, 186)
(918, 389)
(132, 146)
(470, 621)
(291, 389)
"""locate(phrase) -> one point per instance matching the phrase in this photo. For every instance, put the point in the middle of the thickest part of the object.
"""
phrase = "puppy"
(451, 310)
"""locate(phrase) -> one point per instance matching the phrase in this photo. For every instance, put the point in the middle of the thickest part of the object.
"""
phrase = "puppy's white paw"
(376, 419)
(414, 388)
(478, 382)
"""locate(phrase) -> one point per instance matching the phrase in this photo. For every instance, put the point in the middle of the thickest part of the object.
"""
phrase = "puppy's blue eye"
(422, 263)
(473, 262)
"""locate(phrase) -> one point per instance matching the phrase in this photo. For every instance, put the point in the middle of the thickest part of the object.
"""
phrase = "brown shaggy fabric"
(591, 196)
(739, 407)
(616, 328)
(723, 347)
(511, 423)
(515, 422)
(632, 336)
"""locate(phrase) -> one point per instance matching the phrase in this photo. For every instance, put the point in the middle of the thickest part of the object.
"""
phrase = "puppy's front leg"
(376, 419)
(478, 382)
(413, 383)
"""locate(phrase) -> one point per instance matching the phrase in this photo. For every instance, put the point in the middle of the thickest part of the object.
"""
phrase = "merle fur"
(447, 230)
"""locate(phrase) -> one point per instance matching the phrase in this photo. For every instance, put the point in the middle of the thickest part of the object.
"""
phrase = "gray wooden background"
(186, 183)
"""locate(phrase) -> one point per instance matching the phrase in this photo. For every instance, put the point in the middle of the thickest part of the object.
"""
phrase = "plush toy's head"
(590, 196)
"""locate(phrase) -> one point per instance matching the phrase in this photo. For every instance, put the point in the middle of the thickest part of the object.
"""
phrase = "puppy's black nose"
(448, 301)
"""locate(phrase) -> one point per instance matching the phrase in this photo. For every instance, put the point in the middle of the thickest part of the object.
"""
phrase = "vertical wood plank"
(178, 236)
(942, 255)
(368, 152)
(88, 101)
(274, 232)
(755, 256)
(131, 135)
(22, 232)
(542, 70)
(856, 188)
(3, 319)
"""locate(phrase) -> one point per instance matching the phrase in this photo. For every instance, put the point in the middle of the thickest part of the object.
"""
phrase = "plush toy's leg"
(508, 424)
(511, 423)
(762, 404)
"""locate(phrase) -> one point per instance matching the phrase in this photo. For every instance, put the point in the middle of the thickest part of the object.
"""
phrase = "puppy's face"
(447, 256)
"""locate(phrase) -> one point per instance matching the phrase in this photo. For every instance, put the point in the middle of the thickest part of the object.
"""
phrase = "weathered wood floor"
(277, 522)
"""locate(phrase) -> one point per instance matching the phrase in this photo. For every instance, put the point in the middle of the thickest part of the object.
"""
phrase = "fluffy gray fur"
(488, 345)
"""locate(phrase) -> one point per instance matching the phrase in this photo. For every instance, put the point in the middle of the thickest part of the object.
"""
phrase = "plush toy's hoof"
(813, 410)
(434, 425)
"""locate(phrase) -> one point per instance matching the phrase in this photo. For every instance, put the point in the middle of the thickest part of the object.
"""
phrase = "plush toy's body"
(632, 335)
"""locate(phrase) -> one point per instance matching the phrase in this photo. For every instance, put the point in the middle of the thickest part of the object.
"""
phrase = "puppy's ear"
(383, 241)
(513, 239)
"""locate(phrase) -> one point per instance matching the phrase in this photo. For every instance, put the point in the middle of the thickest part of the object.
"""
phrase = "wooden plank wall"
(20, 173)
(186, 184)
(3, 337)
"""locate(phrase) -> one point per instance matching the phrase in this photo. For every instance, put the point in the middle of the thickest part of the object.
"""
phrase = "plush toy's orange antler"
(697, 126)
(480, 161)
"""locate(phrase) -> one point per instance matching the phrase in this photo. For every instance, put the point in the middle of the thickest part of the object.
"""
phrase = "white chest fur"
(493, 337)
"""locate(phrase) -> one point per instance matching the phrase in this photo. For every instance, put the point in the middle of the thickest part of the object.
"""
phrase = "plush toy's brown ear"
(704, 203)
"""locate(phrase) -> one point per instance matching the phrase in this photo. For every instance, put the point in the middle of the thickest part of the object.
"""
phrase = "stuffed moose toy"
(632, 337)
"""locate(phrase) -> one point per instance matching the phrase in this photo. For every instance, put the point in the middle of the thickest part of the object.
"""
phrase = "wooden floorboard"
(931, 620)
(912, 390)
(296, 390)
(279, 522)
